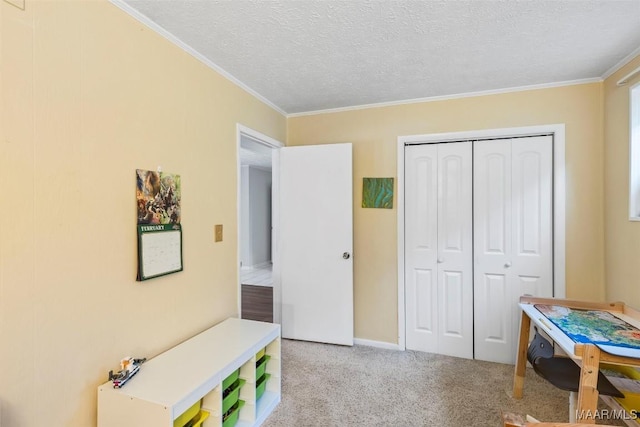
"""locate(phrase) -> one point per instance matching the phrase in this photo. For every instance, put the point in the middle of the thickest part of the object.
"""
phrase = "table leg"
(588, 391)
(521, 356)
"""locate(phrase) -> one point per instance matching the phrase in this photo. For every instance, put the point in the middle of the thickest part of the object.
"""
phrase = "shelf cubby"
(172, 382)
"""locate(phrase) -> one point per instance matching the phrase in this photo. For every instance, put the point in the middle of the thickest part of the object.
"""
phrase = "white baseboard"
(378, 344)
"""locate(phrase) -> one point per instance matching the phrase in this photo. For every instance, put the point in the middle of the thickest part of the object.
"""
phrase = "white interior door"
(439, 273)
(512, 237)
(316, 243)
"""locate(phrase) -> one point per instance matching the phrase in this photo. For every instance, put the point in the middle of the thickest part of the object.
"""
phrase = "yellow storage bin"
(198, 420)
(630, 402)
(627, 371)
(187, 415)
(260, 353)
(629, 386)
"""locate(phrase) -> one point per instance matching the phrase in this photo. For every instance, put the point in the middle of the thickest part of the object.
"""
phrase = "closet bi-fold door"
(438, 248)
(512, 237)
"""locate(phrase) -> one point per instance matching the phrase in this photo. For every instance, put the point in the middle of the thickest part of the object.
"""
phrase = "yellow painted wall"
(87, 95)
(374, 133)
(622, 236)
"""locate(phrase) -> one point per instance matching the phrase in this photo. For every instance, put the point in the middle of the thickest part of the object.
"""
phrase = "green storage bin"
(230, 418)
(261, 365)
(230, 380)
(261, 385)
(232, 397)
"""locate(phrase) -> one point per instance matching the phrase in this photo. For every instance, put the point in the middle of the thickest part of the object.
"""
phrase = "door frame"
(274, 144)
(559, 199)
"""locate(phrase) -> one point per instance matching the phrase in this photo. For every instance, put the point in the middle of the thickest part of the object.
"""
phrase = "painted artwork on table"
(377, 193)
(598, 327)
(158, 197)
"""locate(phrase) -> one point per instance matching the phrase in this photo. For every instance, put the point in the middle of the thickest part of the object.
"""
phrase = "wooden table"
(588, 356)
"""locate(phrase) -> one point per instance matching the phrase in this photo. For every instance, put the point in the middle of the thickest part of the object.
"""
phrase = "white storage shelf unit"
(170, 383)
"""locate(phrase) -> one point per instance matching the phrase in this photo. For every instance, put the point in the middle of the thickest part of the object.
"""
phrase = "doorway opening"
(257, 214)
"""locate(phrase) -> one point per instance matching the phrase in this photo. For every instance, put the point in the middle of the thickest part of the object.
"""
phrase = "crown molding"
(624, 61)
(447, 97)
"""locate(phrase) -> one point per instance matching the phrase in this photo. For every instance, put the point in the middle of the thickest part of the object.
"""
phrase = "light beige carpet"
(327, 385)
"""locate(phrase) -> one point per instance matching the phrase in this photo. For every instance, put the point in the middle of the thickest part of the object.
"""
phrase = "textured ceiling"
(253, 153)
(309, 55)
(251, 158)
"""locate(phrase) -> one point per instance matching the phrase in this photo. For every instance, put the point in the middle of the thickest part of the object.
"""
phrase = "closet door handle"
(440, 260)
(507, 265)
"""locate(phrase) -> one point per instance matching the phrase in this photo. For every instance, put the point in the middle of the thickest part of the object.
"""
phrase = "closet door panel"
(421, 247)
(455, 250)
(494, 292)
(532, 208)
(494, 202)
(512, 207)
(451, 227)
(532, 269)
(492, 247)
(530, 285)
(425, 295)
(453, 290)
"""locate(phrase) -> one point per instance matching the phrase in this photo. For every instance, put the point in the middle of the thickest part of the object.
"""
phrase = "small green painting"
(377, 193)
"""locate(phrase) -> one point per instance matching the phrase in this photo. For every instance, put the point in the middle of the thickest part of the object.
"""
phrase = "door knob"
(440, 260)
(507, 265)
(346, 255)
